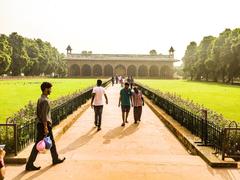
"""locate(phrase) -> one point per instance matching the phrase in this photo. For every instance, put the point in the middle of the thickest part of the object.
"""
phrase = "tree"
(84, 52)
(189, 60)
(153, 52)
(19, 54)
(32, 67)
(233, 69)
(204, 51)
(219, 54)
(216, 57)
(29, 56)
(5, 54)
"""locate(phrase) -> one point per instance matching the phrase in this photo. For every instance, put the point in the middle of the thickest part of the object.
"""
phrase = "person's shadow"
(81, 141)
(120, 132)
(111, 134)
(129, 130)
(35, 175)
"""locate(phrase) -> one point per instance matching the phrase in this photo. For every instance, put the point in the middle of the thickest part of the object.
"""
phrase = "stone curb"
(188, 140)
(58, 131)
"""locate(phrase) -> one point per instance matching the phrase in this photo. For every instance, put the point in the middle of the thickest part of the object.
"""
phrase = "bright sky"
(119, 26)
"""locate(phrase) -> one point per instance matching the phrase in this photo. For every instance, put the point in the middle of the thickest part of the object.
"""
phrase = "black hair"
(126, 83)
(45, 85)
(135, 90)
(99, 82)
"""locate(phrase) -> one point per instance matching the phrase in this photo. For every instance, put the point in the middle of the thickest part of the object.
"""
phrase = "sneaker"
(123, 124)
(58, 161)
(98, 129)
(32, 168)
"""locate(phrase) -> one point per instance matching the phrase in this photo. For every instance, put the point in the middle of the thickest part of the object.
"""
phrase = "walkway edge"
(188, 139)
(58, 131)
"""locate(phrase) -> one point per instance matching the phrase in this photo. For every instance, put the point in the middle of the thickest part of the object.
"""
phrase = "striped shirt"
(137, 99)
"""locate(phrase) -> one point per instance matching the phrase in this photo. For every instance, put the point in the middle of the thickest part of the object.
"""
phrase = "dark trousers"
(137, 112)
(98, 115)
(40, 136)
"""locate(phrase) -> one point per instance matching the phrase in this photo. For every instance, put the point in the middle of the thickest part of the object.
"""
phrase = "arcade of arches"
(131, 70)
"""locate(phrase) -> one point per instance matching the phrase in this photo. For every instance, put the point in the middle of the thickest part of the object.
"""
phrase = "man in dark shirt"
(44, 127)
(124, 101)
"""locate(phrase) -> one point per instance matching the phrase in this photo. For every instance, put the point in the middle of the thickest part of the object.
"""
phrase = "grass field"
(224, 99)
(17, 93)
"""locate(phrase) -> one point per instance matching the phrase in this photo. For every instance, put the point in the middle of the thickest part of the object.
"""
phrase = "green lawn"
(17, 93)
(224, 99)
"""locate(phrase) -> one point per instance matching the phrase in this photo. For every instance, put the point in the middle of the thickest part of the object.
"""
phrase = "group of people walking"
(121, 79)
(127, 97)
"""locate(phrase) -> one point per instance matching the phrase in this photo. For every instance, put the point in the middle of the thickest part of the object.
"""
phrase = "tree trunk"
(223, 76)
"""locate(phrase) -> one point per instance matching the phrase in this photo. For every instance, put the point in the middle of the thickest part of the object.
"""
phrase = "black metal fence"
(8, 136)
(231, 144)
(17, 137)
(225, 141)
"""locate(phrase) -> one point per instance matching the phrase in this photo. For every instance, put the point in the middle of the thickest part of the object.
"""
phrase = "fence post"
(205, 127)
(223, 143)
(15, 139)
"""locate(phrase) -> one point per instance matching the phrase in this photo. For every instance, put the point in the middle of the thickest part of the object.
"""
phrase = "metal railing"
(225, 141)
(17, 137)
(8, 136)
(231, 143)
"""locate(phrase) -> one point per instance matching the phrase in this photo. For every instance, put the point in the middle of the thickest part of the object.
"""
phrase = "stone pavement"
(144, 151)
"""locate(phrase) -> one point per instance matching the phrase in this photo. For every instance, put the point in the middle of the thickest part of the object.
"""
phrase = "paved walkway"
(144, 151)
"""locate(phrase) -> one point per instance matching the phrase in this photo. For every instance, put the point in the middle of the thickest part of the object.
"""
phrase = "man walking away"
(97, 103)
(131, 82)
(138, 102)
(44, 128)
(124, 101)
(116, 78)
(112, 80)
(121, 80)
(128, 79)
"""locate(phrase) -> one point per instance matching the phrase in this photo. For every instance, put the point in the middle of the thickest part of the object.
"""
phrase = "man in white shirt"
(97, 103)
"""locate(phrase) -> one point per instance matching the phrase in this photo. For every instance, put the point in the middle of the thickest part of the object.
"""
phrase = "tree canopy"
(153, 52)
(215, 58)
(29, 56)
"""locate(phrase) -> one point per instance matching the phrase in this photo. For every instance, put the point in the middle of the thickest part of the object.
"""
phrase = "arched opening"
(166, 72)
(86, 70)
(131, 70)
(154, 71)
(97, 70)
(74, 70)
(142, 71)
(120, 70)
(108, 70)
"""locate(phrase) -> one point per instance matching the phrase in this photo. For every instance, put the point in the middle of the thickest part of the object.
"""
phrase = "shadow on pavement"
(80, 141)
(130, 130)
(113, 133)
(35, 175)
(119, 132)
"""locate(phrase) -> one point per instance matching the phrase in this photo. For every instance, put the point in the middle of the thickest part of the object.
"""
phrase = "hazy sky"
(119, 26)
